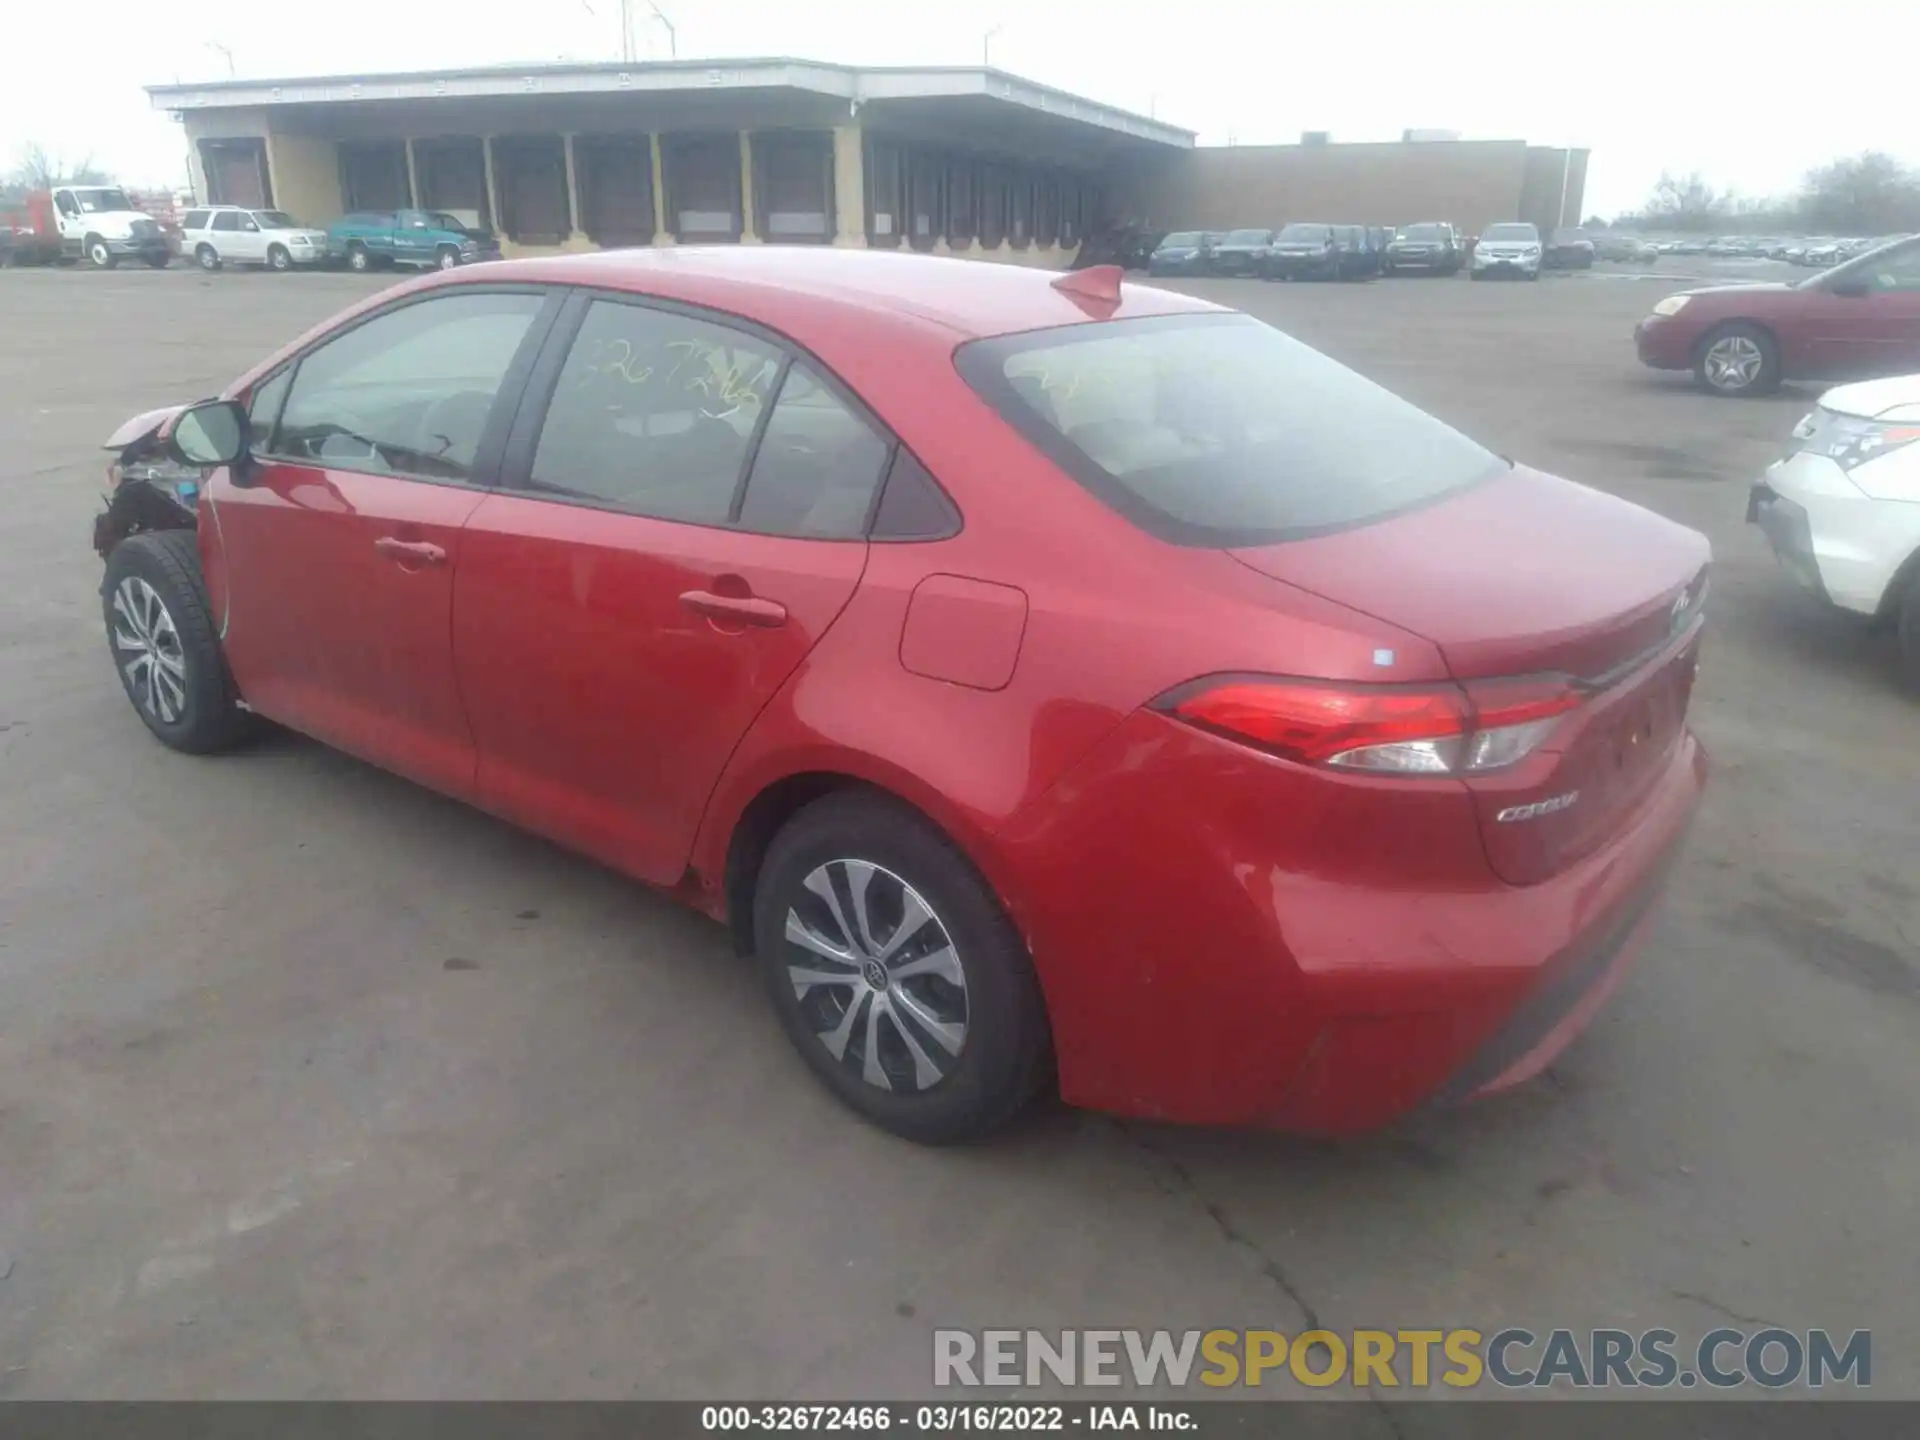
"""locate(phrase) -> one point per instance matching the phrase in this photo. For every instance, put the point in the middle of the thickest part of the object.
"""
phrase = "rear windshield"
(1181, 238)
(1219, 430)
(1304, 232)
(1423, 232)
(1248, 237)
(1510, 232)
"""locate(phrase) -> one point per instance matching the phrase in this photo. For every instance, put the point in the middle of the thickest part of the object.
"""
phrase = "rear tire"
(926, 1058)
(358, 259)
(165, 646)
(206, 257)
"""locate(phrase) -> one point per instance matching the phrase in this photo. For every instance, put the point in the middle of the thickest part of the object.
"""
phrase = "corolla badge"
(1537, 809)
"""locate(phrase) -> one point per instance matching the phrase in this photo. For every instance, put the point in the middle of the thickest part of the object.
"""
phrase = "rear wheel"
(159, 259)
(165, 648)
(358, 258)
(206, 257)
(1737, 359)
(896, 973)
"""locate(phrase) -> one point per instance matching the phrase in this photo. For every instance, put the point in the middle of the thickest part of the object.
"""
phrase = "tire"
(446, 258)
(278, 258)
(1737, 359)
(994, 1014)
(99, 254)
(206, 257)
(358, 258)
(1907, 629)
(158, 259)
(155, 606)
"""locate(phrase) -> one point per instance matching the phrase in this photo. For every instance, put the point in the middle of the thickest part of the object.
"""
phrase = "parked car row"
(219, 235)
(1312, 250)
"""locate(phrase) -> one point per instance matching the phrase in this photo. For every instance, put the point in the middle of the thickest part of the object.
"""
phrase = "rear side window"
(227, 220)
(817, 466)
(194, 220)
(1218, 430)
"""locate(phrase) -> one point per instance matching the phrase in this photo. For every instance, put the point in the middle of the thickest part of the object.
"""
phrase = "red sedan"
(1040, 675)
(1858, 321)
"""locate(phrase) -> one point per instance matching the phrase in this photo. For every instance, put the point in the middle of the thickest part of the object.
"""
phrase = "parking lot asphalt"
(313, 1084)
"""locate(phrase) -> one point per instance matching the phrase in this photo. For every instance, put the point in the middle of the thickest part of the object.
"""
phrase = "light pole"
(986, 45)
(216, 45)
(1566, 174)
(673, 38)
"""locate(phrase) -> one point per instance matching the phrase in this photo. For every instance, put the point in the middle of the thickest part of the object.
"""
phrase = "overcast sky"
(1750, 94)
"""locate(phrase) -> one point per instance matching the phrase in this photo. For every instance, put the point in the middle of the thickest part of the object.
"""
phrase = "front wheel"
(447, 258)
(100, 254)
(165, 648)
(896, 973)
(1909, 634)
(279, 259)
(1737, 359)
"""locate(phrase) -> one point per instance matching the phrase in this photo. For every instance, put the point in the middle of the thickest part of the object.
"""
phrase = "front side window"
(1218, 430)
(818, 463)
(408, 392)
(654, 413)
(263, 409)
(1892, 269)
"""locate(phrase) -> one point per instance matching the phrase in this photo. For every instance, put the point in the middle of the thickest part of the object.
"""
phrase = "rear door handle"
(740, 609)
(419, 552)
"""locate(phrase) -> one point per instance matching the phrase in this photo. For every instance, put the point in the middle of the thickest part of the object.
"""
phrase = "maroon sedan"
(1858, 321)
(1039, 675)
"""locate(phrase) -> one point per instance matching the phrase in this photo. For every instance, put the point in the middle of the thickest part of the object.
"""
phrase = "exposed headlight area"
(1850, 441)
(1672, 305)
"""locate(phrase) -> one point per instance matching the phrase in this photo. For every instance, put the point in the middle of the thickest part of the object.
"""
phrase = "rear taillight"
(1390, 729)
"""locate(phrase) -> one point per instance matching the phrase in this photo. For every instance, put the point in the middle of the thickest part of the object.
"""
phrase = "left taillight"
(1383, 729)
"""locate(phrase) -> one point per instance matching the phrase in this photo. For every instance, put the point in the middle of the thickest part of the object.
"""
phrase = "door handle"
(420, 552)
(740, 609)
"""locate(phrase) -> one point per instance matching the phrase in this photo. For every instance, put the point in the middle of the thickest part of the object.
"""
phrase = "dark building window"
(452, 175)
(926, 198)
(702, 175)
(884, 164)
(236, 172)
(793, 186)
(961, 220)
(531, 171)
(1020, 207)
(992, 207)
(614, 174)
(373, 175)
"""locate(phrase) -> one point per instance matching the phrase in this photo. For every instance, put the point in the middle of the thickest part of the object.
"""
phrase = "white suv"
(1842, 510)
(216, 235)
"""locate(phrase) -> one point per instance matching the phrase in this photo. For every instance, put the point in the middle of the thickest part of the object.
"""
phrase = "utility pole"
(673, 38)
(1566, 174)
(986, 45)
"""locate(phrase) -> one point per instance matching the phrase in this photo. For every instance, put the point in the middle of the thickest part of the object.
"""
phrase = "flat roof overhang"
(996, 109)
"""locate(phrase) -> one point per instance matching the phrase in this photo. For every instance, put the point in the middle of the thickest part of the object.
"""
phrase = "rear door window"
(1218, 430)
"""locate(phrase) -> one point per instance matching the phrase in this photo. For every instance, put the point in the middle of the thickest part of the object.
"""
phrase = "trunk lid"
(1524, 575)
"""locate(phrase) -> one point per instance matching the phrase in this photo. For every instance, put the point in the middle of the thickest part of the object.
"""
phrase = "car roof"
(801, 290)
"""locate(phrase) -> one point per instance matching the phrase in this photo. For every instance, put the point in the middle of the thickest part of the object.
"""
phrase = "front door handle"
(739, 609)
(417, 552)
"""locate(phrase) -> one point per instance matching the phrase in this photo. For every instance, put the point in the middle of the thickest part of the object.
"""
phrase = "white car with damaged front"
(1842, 509)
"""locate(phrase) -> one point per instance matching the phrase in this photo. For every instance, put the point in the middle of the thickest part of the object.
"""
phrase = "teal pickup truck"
(370, 239)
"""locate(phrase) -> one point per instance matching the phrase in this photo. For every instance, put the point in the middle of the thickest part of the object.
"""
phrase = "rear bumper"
(1210, 957)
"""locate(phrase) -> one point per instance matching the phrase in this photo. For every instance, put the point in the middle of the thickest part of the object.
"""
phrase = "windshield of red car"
(1219, 430)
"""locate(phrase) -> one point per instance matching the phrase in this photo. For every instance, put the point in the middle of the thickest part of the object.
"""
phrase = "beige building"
(967, 161)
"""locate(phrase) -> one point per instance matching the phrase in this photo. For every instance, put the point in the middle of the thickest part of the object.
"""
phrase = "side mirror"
(1852, 289)
(214, 432)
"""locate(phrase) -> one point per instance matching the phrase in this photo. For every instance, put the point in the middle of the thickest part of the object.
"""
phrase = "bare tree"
(40, 168)
(1867, 194)
(1687, 203)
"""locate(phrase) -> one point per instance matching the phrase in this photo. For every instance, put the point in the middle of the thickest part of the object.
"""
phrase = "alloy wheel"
(147, 645)
(1733, 362)
(876, 975)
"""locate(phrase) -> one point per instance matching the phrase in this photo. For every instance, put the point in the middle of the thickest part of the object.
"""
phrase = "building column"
(849, 186)
(493, 188)
(574, 224)
(413, 178)
(661, 235)
(747, 233)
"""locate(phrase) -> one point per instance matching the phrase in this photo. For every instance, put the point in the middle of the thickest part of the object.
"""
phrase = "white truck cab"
(101, 225)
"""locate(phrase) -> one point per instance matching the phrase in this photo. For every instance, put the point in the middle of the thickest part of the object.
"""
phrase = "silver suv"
(216, 235)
